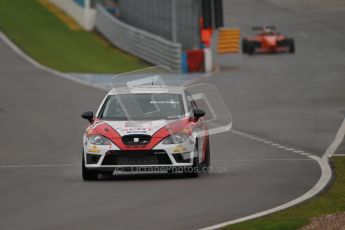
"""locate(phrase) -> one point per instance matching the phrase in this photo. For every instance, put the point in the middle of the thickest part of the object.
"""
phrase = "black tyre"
(250, 48)
(291, 43)
(205, 165)
(195, 170)
(88, 174)
(244, 45)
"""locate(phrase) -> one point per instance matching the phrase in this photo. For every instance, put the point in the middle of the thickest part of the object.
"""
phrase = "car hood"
(138, 127)
(271, 40)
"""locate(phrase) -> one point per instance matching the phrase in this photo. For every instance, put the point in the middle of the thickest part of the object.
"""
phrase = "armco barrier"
(147, 46)
(82, 13)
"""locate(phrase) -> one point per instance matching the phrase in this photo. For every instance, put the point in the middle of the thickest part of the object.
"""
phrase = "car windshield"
(147, 106)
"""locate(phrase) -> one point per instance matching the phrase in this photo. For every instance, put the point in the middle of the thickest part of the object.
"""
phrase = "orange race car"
(268, 40)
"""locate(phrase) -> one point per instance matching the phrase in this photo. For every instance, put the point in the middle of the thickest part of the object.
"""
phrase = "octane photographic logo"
(153, 169)
(162, 80)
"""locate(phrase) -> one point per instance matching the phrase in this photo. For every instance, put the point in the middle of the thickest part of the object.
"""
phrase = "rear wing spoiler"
(255, 28)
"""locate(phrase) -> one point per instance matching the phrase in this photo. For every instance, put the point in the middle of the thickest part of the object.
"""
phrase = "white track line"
(290, 149)
(271, 143)
(240, 160)
(326, 175)
(73, 165)
(38, 165)
(297, 151)
(339, 137)
(265, 159)
(323, 162)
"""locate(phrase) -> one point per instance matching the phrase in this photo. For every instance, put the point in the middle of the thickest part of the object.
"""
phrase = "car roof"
(147, 89)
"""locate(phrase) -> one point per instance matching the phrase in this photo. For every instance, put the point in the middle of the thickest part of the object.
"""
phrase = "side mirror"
(88, 115)
(199, 113)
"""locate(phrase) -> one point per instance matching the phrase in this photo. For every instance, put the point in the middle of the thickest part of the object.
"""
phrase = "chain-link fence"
(165, 18)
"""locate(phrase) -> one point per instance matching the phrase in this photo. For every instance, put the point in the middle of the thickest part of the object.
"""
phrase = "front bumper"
(274, 49)
(109, 158)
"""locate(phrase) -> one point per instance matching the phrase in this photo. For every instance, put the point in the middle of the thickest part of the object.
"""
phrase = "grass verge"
(331, 201)
(51, 42)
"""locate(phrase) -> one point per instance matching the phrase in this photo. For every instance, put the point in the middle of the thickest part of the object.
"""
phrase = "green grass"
(329, 202)
(48, 40)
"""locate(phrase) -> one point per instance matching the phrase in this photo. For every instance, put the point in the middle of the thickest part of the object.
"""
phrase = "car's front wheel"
(206, 164)
(250, 48)
(244, 45)
(88, 174)
(198, 168)
(291, 46)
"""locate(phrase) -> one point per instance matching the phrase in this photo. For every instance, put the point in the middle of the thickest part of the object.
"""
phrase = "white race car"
(146, 129)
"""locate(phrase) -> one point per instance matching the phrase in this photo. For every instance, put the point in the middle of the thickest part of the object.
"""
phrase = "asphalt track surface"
(292, 99)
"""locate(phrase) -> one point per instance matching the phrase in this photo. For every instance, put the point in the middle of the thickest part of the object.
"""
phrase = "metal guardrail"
(147, 46)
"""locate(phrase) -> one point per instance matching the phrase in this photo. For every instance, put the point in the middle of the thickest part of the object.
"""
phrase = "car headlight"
(98, 140)
(175, 139)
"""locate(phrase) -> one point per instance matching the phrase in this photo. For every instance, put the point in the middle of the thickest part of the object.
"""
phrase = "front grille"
(136, 139)
(136, 157)
(179, 159)
(92, 158)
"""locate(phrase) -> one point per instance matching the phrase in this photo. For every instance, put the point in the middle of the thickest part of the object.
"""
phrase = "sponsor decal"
(179, 149)
(136, 131)
(94, 149)
(165, 102)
